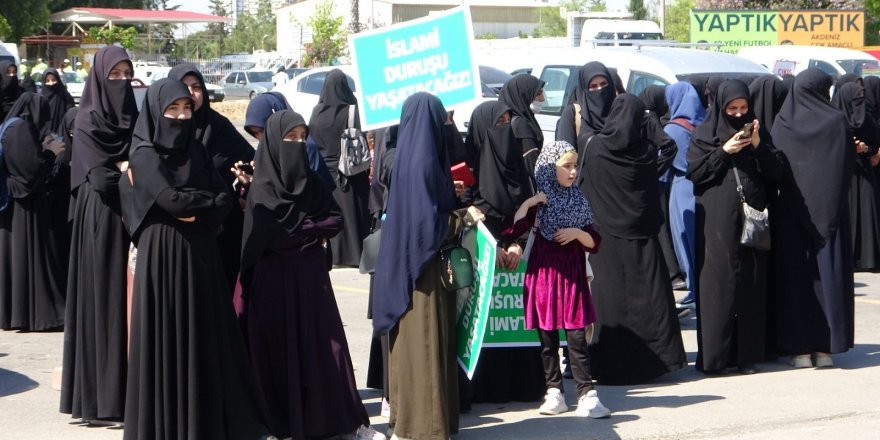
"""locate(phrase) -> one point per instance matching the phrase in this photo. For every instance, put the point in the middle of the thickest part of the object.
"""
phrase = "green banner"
(473, 304)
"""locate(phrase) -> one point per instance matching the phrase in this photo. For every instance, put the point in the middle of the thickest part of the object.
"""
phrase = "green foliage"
(574, 5)
(678, 20)
(24, 17)
(252, 32)
(638, 9)
(328, 36)
(5, 29)
(597, 6)
(551, 23)
(118, 34)
(872, 22)
(487, 36)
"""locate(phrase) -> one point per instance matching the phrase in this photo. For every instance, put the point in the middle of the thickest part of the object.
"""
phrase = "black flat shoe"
(747, 369)
(679, 284)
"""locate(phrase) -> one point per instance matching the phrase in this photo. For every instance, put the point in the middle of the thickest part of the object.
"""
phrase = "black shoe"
(679, 284)
(683, 312)
(747, 369)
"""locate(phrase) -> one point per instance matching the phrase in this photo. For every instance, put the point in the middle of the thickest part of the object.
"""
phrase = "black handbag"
(456, 267)
(756, 224)
(370, 252)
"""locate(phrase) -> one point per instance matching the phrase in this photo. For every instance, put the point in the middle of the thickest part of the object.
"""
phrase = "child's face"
(180, 109)
(566, 169)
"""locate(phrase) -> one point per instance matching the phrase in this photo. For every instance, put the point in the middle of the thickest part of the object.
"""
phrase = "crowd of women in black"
(628, 188)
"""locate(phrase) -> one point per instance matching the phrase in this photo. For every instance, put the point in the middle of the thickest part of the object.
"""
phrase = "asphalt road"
(778, 403)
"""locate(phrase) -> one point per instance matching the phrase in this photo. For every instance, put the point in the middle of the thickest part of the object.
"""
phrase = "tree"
(355, 17)
(550, 23)
(328, 35)
(678, 20)
(25, 17)
(638, 10)
(597, 6)
(125, 36)
(5, 29)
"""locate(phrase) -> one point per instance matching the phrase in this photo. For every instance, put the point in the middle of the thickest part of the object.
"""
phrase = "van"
(618, 32)
(789, 59)
(9, 52)
(638, 67)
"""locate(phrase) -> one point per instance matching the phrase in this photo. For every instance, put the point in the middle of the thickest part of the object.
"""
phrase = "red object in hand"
(462, 173)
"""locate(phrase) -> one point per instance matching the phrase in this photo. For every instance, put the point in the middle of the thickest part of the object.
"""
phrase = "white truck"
(9, 52)
(605, 32)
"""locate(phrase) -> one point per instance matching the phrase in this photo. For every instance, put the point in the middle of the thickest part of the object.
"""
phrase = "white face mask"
(536, 106)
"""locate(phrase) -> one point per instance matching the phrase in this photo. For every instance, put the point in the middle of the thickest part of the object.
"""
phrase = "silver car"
(246, 83)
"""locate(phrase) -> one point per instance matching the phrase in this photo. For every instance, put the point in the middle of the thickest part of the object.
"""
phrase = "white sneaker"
(823, 360)
(554, 403)
(590, 406)
(386, 409)
(366, 433)
(801, 361)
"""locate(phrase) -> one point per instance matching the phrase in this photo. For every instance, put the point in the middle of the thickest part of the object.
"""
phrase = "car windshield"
(745, 77)
(259, 76)
(860, 67)
(71, 77)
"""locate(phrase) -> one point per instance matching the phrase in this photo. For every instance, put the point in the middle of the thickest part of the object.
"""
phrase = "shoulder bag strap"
(577, 119)
(739, 185)
(350, 116)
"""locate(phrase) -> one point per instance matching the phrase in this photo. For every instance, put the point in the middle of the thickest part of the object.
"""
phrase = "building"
(499, 18)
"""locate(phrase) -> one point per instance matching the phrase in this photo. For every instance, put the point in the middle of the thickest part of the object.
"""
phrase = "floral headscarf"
(566, 207)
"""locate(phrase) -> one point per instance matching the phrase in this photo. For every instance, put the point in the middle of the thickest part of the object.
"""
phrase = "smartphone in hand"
(245, 167)
(747, 130)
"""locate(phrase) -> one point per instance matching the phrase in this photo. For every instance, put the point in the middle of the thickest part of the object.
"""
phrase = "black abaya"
(32, 280)
(95, 334)
(731, 298)
(638, 333)
(815, 303)
(352, 193)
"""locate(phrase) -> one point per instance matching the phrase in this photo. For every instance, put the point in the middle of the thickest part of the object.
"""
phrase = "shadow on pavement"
(562, 427)
(860, 356)
(14, 383)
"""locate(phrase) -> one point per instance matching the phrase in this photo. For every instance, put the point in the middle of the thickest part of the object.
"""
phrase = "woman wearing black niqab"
(187, 353)
(863, 197)
(519, 93)
(226, 146)
(409, 302)
(814, 268)
(731, 301)
(59, 98)
(9, 87)
(594, 107)
(638, 331)
(352, 194)
(654, 98)
(504, 373)
(297, 342)
(31, 272)
(93, 383)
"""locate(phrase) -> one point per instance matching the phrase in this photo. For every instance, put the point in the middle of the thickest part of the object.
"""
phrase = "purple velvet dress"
(556, 294)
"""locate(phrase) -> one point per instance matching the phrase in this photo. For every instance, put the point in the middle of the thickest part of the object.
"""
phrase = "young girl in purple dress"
(556, 292)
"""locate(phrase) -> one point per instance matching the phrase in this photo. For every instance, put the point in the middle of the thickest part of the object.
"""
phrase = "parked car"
(294, 71)
(215, 92)
(638, 67)
(303, 90)
(247, 83)
(835, 61)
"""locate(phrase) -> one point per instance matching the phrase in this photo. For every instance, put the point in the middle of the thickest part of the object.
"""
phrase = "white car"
(302, 93)
(75, 85)
(638, 67)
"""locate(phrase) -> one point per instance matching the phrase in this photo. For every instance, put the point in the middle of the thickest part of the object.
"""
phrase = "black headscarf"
(654, 98)
(851, 101)
(58, 96)
(596, 104)
(766, 95)
(813, 136)
(284, 191)
(847, 78)
(421, 198)
(699, 82)
(385, 143)
(519, 93)
(719, 126)
(617, 80)
(262, 107)
(619, 174)
(224, 143)
(872, 96)
(165, 152)
(712, 88)
(330, 116)
(9, 87)
(502, 178)
(106, 118)
(22, 144)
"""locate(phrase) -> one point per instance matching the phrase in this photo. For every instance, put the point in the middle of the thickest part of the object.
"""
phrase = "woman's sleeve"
(597, 239)
(770, 162)
(666, 146)
(324, 227)
(565, 127)
(184, 203)
(706, 165)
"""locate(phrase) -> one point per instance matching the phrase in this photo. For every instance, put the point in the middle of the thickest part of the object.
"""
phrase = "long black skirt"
(352, 199)
(189, 376)
(864, 217)
(639, 338)
(32, 275)
(93, 382)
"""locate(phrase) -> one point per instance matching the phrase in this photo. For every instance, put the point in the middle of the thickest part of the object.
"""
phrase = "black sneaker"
(687, 303)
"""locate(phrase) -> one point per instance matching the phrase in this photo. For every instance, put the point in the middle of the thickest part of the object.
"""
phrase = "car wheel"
(252, 95)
